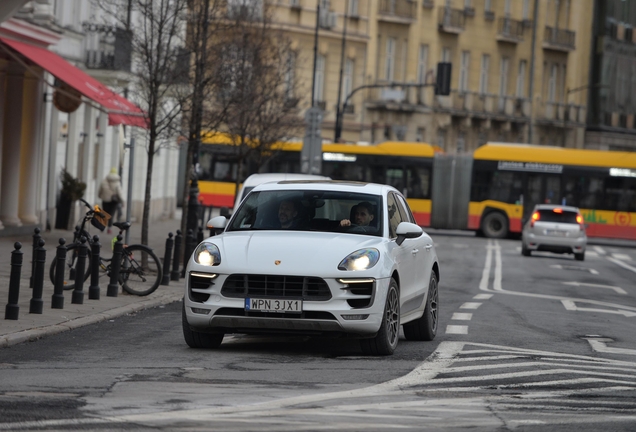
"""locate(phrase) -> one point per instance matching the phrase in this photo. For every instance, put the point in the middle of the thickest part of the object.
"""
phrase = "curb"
(39, 332)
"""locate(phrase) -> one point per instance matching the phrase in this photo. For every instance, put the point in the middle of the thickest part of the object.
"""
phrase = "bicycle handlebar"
(86, 203)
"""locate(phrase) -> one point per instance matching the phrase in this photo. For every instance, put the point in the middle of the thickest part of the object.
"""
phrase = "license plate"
(273, 305)
(557, 233)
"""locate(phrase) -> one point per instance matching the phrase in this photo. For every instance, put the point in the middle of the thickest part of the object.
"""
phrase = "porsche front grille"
(300, 287)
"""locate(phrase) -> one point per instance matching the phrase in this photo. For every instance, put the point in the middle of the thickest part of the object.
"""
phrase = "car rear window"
(563, 217)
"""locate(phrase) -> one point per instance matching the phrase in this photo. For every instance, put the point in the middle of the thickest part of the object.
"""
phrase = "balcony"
(451, 20)
(560, 114)
(108, 47)
(397, 11)
(484, 106)
(509, 30)
(558, 39)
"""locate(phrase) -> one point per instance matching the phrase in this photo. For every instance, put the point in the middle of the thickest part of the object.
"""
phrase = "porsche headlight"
(207, 254)
(362, 259)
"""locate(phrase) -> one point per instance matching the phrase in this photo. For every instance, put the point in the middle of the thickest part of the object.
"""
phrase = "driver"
(362, 215)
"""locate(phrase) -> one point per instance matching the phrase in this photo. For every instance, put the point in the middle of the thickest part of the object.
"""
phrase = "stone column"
(53, 174)
(102, 165)
(71, 143)
(87, 149)
(29, 154)
(9, 197)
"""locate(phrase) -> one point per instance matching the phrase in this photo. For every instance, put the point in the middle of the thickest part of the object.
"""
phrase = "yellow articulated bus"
(492, 190)
(406, 166)
(508, 180)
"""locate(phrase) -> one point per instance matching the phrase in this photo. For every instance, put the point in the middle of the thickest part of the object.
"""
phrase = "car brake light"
(557, 210)
(535, 217)
(579, 220)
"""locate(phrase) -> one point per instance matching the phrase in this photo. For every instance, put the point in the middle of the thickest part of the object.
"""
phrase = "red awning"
(120, 110)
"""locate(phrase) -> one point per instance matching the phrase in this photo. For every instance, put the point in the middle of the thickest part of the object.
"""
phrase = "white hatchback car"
(554, 228)
(315, 258)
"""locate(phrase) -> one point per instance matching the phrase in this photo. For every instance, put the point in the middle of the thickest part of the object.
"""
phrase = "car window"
(407, 216)
(308, 210)
(563, 217)
(394, 215)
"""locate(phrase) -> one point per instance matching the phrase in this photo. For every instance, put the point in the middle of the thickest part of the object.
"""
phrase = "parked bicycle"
(140, 271)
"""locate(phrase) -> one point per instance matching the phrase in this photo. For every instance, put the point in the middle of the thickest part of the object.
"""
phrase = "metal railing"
(107, 47)
(450, 19)
(398, 8)
(510, 29)
(559, 38)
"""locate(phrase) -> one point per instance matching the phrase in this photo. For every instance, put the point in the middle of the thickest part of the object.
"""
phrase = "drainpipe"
(535, 15)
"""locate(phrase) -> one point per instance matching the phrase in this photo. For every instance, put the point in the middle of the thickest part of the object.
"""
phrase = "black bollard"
(200, 235)
(165, 280)
(36, 242)
(115, 264)
(78, 292)
(174, 275)
(57, 301)
(12, 310)
(39, 258)
(93, 290)
(189, 248)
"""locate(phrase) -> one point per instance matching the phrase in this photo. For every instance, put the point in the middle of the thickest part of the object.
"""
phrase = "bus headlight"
(361, 259)
(207, 254)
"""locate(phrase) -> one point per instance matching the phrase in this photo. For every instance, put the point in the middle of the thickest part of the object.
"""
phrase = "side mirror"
(217, 224)
(407, 230)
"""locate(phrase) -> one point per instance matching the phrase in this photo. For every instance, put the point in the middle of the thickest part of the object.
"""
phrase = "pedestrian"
(111, 194)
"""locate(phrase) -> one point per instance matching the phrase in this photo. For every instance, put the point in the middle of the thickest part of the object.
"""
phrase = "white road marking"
(571, 306)
(601, 346)
(483, 284)
(591, 254)
(496, 283)
(600, 250)
(622, 257)
(456, 329)
(482, 296)
(617, 289)
(462, 316)
(470, 305)
(562, 267)
(622, 264)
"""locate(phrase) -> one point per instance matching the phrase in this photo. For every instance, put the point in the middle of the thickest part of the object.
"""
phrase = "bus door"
(540, 189)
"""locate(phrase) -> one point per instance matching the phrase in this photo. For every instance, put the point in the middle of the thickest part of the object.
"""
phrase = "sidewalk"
(33, 326)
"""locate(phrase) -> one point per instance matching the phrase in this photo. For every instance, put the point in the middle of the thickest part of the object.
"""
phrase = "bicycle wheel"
(72, 252)
(140, 273)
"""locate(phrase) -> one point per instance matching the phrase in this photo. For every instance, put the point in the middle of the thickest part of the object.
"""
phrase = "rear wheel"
(70, 276)
(196, 339)
(425, 328)
(525, 251)
(495, 225)
(140, 271)
(579, 256)
(385, 342)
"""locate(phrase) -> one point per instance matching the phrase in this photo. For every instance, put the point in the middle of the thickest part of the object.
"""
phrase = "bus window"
(395, 178)
(205, 166)
(552, 190)
(224, 171)
(417, 182)
(346, 171)
(505, 187)
(591, 192)
(619, 194)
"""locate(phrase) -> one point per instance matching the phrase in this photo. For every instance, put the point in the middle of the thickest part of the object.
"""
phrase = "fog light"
(200, 311)
(355, 317)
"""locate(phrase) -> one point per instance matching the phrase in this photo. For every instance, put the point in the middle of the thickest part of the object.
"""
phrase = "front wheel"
(385, 342)
(495, 225)
(196, 339)
(579, 256)
(140, 271)
(70, 265)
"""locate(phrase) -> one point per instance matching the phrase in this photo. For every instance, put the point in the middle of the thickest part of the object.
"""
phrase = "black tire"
(495, 225)
(525, 251)
(196, 339)
(425, 328)
(385, 342)
(140, 272)
(579, 256)
(69, 268)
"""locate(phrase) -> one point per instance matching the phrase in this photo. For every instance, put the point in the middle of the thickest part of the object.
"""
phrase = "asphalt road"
(526, 344)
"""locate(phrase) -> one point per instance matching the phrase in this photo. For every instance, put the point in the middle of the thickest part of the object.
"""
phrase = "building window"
(446, 55)
(347, 79)
(419, 134)
(521, 79)
(290, 74)
(464, 71)
(353, 8)
(389, 66)
(421, 64)
(461, 142)
(483, 77)
(441, 137)
(503, 77)
(554, 70)
(507, 8)
(525, 11)
(320, 78)
(488, 6)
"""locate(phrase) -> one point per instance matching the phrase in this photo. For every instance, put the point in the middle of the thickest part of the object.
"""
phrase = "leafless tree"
(157, 38)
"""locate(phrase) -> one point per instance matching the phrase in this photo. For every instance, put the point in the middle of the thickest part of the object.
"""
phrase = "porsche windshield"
(328, 211)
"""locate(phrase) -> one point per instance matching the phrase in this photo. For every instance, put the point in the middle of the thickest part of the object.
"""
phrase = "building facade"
(518, 68)
(44, 45)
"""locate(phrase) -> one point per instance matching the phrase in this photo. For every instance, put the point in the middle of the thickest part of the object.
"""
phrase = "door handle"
(428, 247)
(415, 251)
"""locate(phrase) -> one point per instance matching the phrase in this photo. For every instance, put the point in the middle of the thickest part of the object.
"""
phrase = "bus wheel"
(495, 225)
